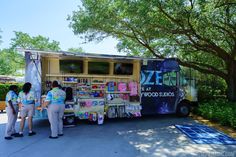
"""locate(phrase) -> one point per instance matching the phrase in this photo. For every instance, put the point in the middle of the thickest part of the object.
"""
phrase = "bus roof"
(50, 53)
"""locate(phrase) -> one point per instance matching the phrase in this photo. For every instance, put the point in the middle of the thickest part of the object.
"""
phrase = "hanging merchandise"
(112, 112)
(133, 87)
(81, 115)
(100, 118)
(82, 104)
(101, 103)
(121, 111)
(122, 86)
(90, 118)
(133, 110)
(94, 103)
(110, 96)
(86, 115)
(88, 103)
(124, 96)
(94, 116)
(111, 86)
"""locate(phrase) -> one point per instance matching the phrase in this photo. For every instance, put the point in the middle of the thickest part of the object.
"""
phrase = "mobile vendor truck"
(109, 85)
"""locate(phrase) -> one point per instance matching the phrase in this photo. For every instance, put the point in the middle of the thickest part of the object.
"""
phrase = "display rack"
(94, 89)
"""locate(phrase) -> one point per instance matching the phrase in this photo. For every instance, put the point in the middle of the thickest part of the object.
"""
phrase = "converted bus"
(110, 86)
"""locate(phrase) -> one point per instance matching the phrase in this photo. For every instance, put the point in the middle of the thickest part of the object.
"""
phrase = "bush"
(4, 89)
(211, 87)
(219, 110)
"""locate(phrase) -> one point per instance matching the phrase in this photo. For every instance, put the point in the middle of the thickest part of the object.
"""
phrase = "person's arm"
(47, 100)
(19, 101)
(11, 105)
(45, 104)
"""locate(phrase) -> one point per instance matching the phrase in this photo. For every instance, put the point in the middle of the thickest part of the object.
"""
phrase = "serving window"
(98, 67)
(71, 66)
(123, 69)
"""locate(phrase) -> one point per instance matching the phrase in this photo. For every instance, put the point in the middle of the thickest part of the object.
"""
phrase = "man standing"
(55, 100)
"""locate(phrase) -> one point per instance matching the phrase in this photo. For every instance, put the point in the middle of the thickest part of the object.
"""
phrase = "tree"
(76, 50)
(10, 61)
(24, 40)
(201, 33)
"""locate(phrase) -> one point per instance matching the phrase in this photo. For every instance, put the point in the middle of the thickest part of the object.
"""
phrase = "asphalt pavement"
(154, 136)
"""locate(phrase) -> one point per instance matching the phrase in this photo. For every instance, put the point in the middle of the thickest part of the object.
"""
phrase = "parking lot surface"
(153, 136)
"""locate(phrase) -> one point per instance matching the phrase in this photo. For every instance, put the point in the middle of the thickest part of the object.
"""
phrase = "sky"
(46, 18)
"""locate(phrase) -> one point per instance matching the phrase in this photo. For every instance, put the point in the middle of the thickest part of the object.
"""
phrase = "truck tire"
(183, 109)
(69, 120)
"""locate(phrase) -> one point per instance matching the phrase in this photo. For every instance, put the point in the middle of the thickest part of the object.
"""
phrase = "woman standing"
(26, 100)
(55, 101)
(12, 112)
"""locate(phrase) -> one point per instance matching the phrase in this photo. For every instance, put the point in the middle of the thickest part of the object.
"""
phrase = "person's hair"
(13, 87)
(59, 86)
(69, 94)
(55, 84)
(63, 88)
(26, 87)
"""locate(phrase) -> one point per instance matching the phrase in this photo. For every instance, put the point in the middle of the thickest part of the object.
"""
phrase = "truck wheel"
(183, 109)
(69, 120)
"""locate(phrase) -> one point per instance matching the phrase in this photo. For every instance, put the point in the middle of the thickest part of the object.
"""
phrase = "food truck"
(109, 86)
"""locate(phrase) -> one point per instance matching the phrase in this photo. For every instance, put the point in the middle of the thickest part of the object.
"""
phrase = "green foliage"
(219, 110)
(76, 50)
(10, 61)
(200, 33)
(210, 87)
(4, 89)
(24, 40)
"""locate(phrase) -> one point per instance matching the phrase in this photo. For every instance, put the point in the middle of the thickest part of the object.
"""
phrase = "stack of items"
(88, 107)
(83, 91)
(133, 110)
(116, 111)
(71, 79)
(118, 100)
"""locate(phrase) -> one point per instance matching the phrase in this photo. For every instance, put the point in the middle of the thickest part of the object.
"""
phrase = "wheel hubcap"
(70, 120)
(184, 110)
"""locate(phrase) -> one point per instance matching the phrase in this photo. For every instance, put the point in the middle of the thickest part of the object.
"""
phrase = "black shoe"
(60, 134)
(32, 133)
(51, 137)
(14, 134)
(8, 138)
(19, 135)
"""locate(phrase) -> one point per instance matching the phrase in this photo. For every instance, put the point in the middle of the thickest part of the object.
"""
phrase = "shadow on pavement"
(146, 136)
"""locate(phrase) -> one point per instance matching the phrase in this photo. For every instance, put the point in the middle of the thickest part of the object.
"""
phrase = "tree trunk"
(231, 82)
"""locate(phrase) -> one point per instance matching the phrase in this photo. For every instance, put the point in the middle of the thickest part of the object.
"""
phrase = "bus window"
(123, 68)
(71, 66)
(98, 68)
(169, 79)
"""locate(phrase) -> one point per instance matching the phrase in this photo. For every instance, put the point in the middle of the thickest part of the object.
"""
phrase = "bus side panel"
(156, 98)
